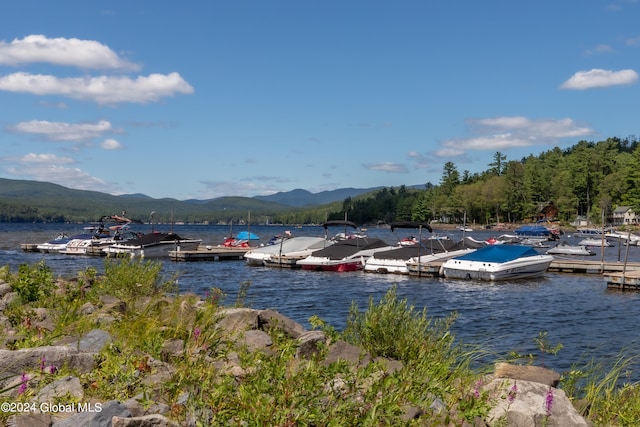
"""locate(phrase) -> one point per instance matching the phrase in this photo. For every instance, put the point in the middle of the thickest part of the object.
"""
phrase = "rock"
(172, 348)
(112, 305)
(341, 350)
(238, 320)
(154, 420)
(268, 319)
(309, 344)
(14, 362)
(526, 405)
(255, 340)
(527, 373)
(64, 387)
(94, 341)
(31, 419)
(5, 288)
(101, 417)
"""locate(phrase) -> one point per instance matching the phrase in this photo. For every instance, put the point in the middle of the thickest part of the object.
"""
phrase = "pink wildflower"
(42, 363)
(24, 378)
(512, 393)
(196, 333)
(548, 402)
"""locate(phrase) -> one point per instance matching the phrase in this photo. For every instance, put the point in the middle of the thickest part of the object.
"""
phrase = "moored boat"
(344, 255)
(565, 248)
(152, 245)
(501, 262)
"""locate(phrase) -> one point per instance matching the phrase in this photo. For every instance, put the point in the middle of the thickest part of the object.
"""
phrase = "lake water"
(577, 311)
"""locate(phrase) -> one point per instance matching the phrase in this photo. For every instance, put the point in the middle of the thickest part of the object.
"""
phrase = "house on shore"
(624, 215)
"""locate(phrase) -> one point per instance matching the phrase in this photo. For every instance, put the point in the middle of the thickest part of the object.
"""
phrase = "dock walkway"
(216, 253)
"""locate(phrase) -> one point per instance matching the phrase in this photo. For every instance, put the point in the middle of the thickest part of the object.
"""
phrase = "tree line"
(588, 179)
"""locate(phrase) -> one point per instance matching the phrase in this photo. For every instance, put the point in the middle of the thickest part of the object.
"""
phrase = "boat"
(588, 232)
(395, 260)
(497, 262)
(299, 246)
(565, 248)
(344, 255)
(599, 241)
(152, 245)
(429, 265)
(293, 251)
(628, 238)
(59, 244)
(241, 240)
(102, 237)
(535, 234)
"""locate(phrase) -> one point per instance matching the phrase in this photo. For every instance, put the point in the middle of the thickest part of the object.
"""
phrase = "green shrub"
(33, 282)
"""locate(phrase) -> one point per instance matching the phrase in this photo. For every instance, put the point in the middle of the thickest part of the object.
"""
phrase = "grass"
(274, 388)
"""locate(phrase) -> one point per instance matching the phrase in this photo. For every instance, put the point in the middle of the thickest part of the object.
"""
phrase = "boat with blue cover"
(497, 262)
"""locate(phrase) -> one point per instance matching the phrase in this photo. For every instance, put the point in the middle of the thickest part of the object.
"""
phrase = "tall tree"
(499, 163)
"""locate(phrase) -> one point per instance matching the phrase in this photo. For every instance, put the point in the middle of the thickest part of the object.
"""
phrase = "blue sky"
(202, 99)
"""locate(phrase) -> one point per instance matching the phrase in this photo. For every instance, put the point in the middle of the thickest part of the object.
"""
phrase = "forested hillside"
(589, 178)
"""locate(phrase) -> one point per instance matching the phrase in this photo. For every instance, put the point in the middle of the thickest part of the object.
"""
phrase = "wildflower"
(52, 369)
(42, 364)
(24, 378)
(196, 333)
(512, 393)
(476, 389)
(548, 402)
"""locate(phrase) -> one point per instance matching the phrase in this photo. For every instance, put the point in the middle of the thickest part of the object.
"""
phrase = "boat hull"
(331, 265)
(521, 268)
(158, 250)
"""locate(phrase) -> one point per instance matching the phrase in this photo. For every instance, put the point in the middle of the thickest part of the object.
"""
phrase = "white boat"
(624, 237)
(398, 260)
(152, 245)
(588, 232)
(55, 245)
(430, 264)
(395, 260)
(299, 246)
(497, 262)
(566, 249)
(344, 255)
(597, 241)
(102, 237)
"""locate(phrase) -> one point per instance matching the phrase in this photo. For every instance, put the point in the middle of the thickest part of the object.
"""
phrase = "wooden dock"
(629, 280)
(217, 253)
(561, 265)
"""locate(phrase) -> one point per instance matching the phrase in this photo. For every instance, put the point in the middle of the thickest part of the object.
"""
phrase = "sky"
(211, 98)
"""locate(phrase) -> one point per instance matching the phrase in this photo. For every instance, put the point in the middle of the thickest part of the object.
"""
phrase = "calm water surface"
(577, 310)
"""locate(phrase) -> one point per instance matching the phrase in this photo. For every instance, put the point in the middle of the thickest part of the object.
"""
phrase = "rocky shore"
(48, 385)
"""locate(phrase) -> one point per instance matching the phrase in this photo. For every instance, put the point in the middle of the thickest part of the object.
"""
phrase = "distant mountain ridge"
(53, 202)
(300, 198)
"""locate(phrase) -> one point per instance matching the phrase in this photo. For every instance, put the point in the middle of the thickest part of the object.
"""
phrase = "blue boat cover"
(532, 230)
(499, 253)
(245, 235)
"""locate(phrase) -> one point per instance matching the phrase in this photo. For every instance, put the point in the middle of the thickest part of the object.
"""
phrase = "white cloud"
(60, 131)
(111, 144)
(103, 89)
(502, 133)
(387, 167)
(40, 159)
(52, 168)
(61, 51)
(598, 49)
(598, 78)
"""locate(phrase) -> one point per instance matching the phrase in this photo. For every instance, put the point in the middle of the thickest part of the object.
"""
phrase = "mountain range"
(20, 197)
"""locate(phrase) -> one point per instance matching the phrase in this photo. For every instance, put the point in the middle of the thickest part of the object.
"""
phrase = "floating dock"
(629, 280)
(216, 253)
